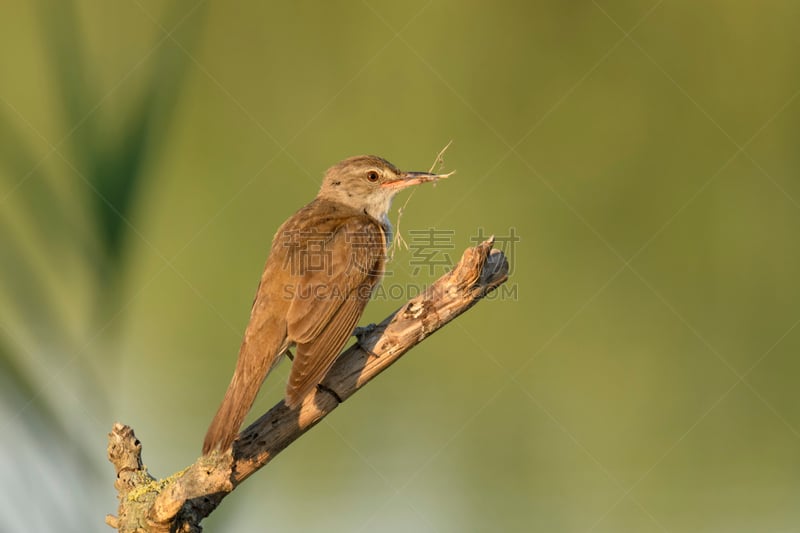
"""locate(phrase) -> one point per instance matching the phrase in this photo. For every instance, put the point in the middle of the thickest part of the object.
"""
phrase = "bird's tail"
(252, 367)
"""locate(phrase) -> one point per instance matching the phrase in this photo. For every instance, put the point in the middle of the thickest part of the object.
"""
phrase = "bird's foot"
(361, 332)
(364, 330)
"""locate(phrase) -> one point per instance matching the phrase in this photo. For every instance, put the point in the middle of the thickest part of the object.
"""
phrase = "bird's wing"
(331, 293)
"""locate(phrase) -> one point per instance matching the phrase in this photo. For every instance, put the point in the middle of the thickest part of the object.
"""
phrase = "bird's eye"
(372, 176)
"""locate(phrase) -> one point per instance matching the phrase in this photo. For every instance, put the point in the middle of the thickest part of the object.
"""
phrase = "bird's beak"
(406, 179)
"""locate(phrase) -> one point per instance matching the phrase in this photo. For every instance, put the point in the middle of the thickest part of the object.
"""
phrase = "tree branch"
(180, 502)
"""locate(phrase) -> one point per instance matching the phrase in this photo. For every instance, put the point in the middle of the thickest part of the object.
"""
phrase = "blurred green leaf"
(71, 75)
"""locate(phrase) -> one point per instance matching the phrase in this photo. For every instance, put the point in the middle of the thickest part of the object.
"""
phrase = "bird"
(324, 263)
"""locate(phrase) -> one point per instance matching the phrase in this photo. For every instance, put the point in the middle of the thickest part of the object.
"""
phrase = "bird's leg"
(359, 333)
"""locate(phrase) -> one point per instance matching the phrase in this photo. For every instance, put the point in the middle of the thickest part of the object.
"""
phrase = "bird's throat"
(377, 205)
(379, 210)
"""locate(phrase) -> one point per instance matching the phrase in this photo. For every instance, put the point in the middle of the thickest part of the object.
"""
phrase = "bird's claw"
(359, 333)
(363, 330)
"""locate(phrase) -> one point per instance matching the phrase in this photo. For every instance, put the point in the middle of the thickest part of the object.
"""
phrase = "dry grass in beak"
(398, 239)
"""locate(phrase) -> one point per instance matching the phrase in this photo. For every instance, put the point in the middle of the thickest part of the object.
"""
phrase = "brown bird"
(324, 263)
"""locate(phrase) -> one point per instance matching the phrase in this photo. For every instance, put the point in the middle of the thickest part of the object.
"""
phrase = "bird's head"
(368, 183)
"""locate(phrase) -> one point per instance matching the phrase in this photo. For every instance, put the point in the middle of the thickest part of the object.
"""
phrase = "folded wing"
(334, 284)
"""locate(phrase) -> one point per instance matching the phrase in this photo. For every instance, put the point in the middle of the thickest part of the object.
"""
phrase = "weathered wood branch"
(180, 502)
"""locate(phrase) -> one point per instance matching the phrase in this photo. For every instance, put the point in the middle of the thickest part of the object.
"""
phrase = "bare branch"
(181, 501)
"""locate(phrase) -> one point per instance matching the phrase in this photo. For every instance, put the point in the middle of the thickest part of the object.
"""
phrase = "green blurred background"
(640, 376)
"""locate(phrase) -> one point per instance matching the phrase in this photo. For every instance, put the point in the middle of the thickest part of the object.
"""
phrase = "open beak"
(407, 179)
